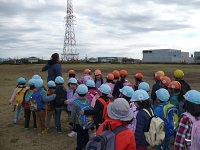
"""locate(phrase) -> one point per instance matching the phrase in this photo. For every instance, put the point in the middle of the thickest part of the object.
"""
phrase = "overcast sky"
(121, 28)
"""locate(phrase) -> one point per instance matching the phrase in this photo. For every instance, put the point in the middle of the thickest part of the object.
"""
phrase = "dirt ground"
(14, 136)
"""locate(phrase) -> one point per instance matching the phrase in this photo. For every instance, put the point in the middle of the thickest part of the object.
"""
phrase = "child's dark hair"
(143, 104)
(81, 95)
(193, 109)
(109, 81)
(54, 57)
(138, 80)
(104, 94)
(126, 98)
(122, 79)
(91, 88)
(32, 87)
(72, 75)
(101, 78)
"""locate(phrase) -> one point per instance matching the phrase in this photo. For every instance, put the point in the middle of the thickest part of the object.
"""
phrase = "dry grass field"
(14, 136)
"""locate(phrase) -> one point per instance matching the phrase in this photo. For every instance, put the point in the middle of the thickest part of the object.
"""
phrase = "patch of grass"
(10, 125)
(14, 140)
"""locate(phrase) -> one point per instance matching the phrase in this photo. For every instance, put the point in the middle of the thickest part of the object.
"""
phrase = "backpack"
(155, 135)
(106, 140)
(170, 119)
(61, 96)
(195, 135)
(27, 99)
(105, 105)
(95, 96)
(20, 96)
(36, 103)
(86, 121)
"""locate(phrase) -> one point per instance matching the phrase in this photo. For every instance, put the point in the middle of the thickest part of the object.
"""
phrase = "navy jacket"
(143, 122)
(54, 70)
(155, 87)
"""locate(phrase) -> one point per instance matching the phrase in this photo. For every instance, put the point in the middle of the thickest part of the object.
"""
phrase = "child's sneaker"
(44, 131)
(72, 134)
(58, 130)
(15, 121)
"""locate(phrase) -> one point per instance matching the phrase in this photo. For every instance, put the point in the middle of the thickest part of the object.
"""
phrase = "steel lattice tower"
(69, 48)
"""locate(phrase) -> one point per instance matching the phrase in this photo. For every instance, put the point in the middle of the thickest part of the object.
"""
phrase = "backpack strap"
(102, 101)
(148, 112)
(119, 129)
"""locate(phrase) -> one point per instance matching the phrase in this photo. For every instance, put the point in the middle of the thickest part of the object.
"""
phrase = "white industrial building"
(197, 57)
(166, 56)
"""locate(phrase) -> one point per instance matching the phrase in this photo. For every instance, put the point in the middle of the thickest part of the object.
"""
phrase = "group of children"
(114, 102)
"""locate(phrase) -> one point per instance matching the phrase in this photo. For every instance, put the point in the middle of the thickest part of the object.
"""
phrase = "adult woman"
(53, 67)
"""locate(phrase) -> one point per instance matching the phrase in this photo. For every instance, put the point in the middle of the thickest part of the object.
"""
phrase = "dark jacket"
(54, 70)
(184, 88)
(97, 111)
(143, 122)
(155, 87)
(118, 85)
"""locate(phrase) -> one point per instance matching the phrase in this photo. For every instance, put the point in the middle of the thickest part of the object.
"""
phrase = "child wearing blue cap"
(169, 114)
(82, 133)
(71, 96)
(18, 97)
(126, 92)
(41, 97)
(50, 112)
(59, 102)
(100, 107)
(141, 101)
(26, 103)
(185, 137)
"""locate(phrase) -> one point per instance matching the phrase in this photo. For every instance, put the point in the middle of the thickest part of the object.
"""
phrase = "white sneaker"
(72, 134)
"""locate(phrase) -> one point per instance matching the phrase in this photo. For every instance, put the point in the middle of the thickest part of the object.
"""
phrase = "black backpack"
(106, 140)
(61, 96)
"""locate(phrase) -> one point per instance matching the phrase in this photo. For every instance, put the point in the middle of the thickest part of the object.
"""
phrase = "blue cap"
(31, 82)
(51, 84)
(144, 86)
(105, 89)
(127, 91)
(38, 83)
(82, 89)
(21, 80)
(192, 96)
(90, 83)
(36, 76)
(162, 94)
(59, 80)
(72, 80)
(139, 95)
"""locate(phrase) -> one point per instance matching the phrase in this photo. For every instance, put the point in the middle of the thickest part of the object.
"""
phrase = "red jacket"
(125, 140)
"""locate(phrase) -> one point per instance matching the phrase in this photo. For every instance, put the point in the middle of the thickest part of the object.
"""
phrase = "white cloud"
(102, 27)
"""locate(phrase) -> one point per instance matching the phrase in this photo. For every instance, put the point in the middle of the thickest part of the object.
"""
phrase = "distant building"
(109, 59)
(92, 59)
(197, 57)
(166, 56)
(33, 59)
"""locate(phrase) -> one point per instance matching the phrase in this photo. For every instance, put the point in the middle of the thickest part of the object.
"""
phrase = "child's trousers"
(17, 112)
(40, 117)
(82, 137)
(27, 118)
(49, 115)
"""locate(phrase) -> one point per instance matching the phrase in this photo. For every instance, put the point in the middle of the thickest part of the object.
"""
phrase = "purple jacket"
(132, 126)
(71, 96)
